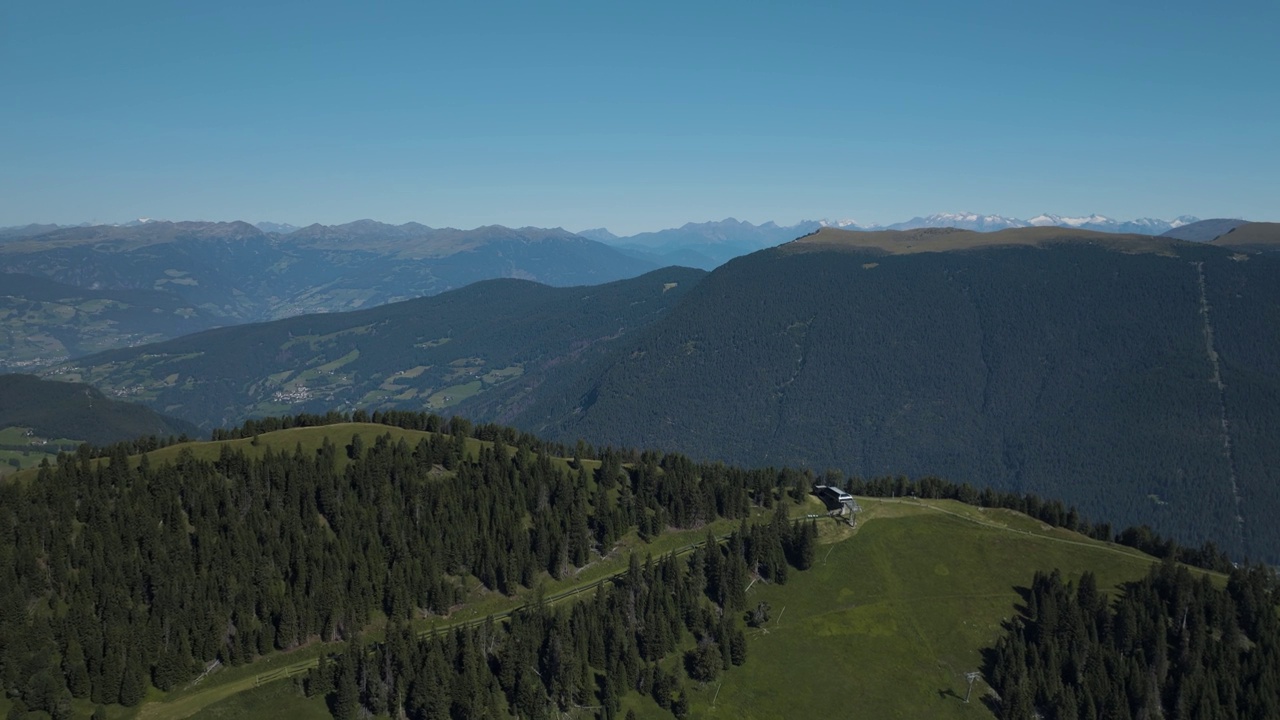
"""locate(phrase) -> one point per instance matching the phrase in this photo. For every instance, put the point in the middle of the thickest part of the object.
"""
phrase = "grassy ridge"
(309, 439)
(905, 242)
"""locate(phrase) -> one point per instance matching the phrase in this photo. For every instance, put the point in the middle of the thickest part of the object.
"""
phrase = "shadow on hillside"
(988, 696)
(1020, 608)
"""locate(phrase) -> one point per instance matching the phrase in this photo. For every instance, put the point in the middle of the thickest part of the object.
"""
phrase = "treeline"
(1172, 646)
(136, 446)
(115, 577)
(409, 420)
(584, 655)
(1050, 512)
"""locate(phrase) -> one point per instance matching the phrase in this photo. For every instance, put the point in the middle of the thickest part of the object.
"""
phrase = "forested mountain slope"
(501, 337)
(496, 577)
(77, 411)
(119, 574)
(1172, 645)
(1136, 377)
(127, 578)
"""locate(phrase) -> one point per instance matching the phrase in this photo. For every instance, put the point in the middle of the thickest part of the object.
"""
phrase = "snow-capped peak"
(845, 223)
(1059, 220)
(970, 217)
(963, 220)
(989, 223)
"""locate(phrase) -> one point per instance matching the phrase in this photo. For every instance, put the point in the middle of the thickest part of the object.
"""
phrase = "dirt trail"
(1216, 379)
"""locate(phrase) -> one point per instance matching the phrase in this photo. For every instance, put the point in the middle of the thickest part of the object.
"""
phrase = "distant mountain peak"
(365, 224)
(598, 234)
(1093, 221)
(964, 220)
(274, 227)
(844, 223)
(1048, 219)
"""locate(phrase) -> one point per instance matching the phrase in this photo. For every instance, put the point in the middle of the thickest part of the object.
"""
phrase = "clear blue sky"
(635, 115)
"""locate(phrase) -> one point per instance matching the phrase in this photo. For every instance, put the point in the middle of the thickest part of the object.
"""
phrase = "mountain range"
(1132, 375)
(991, 223)
(56, 302)
(703, 245)
(187, 276)
(733, 230)
(710, 244)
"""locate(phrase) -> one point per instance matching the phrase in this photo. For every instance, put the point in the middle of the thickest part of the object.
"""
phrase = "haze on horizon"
(635, 117)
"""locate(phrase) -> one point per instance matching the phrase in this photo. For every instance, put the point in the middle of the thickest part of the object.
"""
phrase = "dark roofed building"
(835, 498)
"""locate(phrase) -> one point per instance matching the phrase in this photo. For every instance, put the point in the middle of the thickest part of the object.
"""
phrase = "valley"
(71, 291)
(499, 338)
(44, 322)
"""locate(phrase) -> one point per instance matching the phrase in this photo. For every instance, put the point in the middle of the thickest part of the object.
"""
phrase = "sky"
(635, 116)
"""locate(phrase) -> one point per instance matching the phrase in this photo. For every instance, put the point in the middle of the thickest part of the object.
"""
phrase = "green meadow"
(20, 450)
(890, 618)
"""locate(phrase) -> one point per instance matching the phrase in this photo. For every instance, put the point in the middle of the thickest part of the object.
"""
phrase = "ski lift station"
(836, 499)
